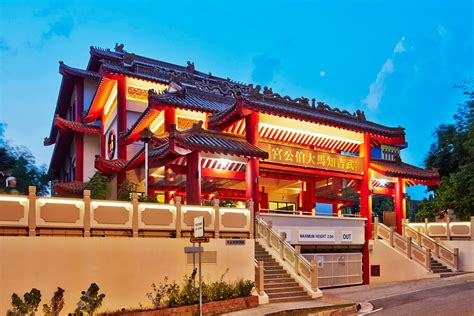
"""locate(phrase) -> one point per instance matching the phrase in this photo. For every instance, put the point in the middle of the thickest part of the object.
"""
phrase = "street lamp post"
(146, 135)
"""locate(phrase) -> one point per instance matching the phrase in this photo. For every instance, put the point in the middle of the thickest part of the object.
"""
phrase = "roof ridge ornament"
(190, 67)
(176, 88)
(119, 48)
(128, 59)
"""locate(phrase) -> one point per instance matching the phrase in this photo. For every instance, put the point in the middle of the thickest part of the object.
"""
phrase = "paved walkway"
(446, 296)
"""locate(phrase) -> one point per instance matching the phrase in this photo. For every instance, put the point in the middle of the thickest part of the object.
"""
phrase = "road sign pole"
(200, 282)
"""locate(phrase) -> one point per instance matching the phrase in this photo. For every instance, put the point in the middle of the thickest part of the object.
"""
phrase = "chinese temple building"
(217, 138)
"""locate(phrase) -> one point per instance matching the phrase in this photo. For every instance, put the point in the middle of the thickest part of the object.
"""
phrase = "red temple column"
(79, 137)
(170, 119)
(335, 208)
(252, 171)
(337, 187)
(309, 197)
(122, 124)
(366, 206)
(193, 178)
(399, 203)
(264, 199)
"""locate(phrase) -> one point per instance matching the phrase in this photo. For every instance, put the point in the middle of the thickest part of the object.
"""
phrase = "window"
(284, 207)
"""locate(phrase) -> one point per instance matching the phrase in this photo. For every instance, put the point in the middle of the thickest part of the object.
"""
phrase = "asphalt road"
(456, 299)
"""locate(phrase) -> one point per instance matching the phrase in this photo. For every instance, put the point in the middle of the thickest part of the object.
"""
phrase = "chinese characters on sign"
(311, 158)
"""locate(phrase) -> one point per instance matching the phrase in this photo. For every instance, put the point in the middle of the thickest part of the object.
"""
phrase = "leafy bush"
(57, 304)
(90, 301)
(125, 190)
(98, 186)
(28, 305)
(174, 295)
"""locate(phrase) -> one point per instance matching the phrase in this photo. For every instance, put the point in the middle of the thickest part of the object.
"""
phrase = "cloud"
(264, 69)
(62, 27)
(322, 73)
(377, 88)
(441, 30)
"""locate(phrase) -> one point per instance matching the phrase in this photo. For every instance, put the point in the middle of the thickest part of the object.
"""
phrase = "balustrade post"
(456, 258)
(428, 259)
(436, 249)
(376, 227)
(260, 280)
(269, 238)
(32, 211)
(177, 203)
(405, 226)
(134, 214)
(472, 227)
(418, 237)
(298, 249)
(409, 247)
(392, 233)
(87, 213)
(282, 250)
(427, 232)
(314, 275)
(217, 219)
(448, 231)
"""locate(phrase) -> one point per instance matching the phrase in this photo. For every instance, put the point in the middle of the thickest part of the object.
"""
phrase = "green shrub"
(125, 190)
(57, 304)
(98, 186)
(244, 287)
(90, 301)
(28, 305)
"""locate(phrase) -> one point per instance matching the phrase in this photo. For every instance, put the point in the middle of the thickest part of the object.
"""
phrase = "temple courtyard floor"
(445, 296)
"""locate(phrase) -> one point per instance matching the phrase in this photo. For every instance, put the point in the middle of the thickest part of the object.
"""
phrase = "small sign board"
(235, 242)
(198, 226)
(311, 235)
(199, 239)
(193, 249)
(346, 236)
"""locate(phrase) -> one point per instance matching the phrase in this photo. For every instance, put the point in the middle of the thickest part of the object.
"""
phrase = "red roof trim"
(109, 167)
(133, 134)
(77, 127)
(406, 171)
(74, 187)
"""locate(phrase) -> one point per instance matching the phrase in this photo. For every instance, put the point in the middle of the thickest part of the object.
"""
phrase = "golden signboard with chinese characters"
(309, 158)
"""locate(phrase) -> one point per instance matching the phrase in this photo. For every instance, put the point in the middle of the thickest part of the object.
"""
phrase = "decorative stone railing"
(445, 230)
(293, 262)
(32, 215)
(445, 255)
(403, 244)
(259, 278)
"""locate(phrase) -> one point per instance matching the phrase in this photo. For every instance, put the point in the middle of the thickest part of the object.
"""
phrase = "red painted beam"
(383, 191)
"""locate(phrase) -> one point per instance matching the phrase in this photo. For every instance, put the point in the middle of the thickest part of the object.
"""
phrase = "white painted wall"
(90, 87)
(466, 253)
(91, 148)
(394, 266)
(293, 224)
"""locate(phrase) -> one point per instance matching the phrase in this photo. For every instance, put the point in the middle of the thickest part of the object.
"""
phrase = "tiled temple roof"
(207, 141)
(109, 166)
(208, 93)
(74, 187)
(76, 72)
(72, 126)
(403, 170)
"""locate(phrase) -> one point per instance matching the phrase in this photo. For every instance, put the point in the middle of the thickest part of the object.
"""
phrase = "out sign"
(346, 236)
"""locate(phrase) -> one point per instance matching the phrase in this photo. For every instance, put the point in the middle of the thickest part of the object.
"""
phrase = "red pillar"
(335, 208)
(252, 171)
(366, 206)
(309, 197)
(193, 178)
(264, 199)
(399, 203)
(79, 136)
(122, 124)
(170, 118)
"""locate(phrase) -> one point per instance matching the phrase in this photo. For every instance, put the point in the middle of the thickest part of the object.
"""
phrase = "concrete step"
(292, 289)
(276, 280)
(289, 299)
(276, 285)
(287, 294)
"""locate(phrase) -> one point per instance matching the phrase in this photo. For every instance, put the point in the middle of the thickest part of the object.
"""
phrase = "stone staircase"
(278, 284)
(438, 267)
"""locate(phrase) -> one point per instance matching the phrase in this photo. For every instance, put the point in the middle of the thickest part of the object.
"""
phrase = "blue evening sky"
(396, 60)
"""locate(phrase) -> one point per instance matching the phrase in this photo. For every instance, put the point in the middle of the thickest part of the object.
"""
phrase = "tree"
(98, 186)
(18, 161)
(453, 154)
